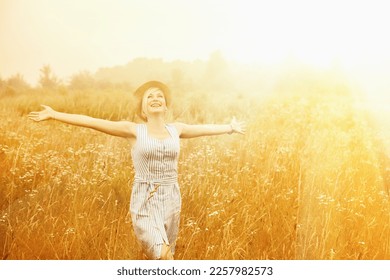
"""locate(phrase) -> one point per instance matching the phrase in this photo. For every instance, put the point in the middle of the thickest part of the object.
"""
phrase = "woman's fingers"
(239, 127)
(34, 116)
(39, 116)
(242, 128)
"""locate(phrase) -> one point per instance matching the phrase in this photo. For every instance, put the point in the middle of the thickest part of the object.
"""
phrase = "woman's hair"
(139, 93)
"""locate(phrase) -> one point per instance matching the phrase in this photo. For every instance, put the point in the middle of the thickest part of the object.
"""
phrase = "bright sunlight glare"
(73, 36)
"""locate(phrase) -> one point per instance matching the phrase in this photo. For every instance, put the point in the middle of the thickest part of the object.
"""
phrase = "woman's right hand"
(46, 114)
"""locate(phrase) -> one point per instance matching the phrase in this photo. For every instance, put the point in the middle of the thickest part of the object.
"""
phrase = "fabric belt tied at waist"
(157, 182)
(154, 184)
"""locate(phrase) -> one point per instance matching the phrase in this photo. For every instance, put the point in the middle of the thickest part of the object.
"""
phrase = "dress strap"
(172, 130)
(141, 129)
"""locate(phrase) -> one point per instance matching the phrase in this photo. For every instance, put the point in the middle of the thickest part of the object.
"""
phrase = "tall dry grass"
(309, 180)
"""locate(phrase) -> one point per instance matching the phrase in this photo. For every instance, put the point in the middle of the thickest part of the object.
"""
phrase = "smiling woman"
(145, 94)
(155, 200)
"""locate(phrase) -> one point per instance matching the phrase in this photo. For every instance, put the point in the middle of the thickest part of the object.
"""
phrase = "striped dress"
(155, 199)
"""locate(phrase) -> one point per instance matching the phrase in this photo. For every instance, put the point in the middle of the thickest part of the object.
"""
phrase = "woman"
(155, 200)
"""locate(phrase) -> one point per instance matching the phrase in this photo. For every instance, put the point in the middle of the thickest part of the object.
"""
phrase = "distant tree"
(2, 86)
(13, 85)
(104, 84)
(177, 77)
(17, 81)
(82, 80)
(216, 64)
(47, 78)
(217, 74)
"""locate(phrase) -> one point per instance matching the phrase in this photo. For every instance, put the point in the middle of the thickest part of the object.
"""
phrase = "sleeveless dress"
(155, 199)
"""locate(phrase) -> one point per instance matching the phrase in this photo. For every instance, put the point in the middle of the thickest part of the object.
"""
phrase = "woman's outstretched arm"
(124, 129)
(191, 131)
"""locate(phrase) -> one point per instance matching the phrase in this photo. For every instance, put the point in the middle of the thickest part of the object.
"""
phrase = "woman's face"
(153, 102)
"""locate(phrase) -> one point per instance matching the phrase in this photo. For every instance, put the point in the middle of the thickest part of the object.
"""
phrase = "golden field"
(309, 180)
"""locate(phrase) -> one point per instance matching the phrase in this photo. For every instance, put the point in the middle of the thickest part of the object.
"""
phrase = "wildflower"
(214, 213)
(70, 231)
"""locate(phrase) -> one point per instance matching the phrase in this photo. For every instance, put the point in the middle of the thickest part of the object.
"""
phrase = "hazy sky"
(75, 35)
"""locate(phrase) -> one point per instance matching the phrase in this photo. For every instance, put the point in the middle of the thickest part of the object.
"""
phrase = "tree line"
(215, 73)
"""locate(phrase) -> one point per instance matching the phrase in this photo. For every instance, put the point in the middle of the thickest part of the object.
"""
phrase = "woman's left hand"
(237, 127)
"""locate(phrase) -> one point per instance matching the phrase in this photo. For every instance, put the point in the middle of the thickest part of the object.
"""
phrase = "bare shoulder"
(179, 127)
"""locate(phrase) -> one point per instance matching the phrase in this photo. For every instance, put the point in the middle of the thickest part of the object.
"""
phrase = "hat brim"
(144, 87)
(139, 93)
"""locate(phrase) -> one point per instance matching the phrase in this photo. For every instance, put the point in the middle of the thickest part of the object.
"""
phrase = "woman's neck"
(156, 122)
